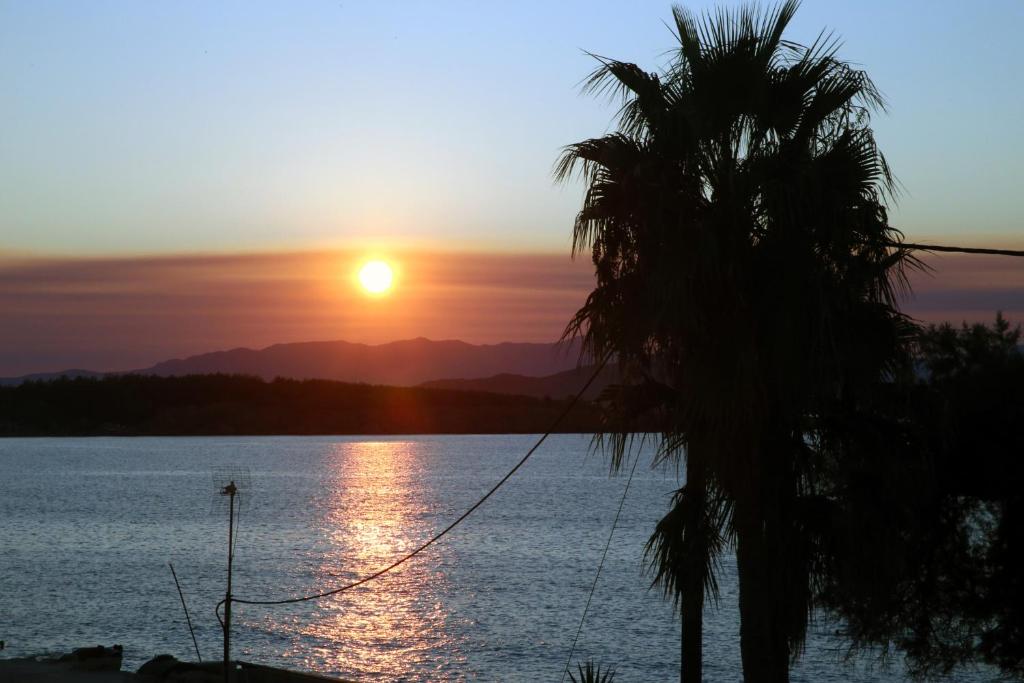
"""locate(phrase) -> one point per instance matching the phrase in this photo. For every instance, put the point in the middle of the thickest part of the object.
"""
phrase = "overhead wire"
(958, 250)
(408, 556)
(597, 575)
(575, 399)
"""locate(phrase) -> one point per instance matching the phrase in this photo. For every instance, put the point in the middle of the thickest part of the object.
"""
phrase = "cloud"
(968, 287)
(130, 312)
(124, 313)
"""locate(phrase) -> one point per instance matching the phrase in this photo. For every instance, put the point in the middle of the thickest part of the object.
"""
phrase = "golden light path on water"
(390, 624)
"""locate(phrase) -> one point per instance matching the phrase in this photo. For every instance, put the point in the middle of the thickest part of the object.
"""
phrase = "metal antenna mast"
(230, 490)
(237, 480)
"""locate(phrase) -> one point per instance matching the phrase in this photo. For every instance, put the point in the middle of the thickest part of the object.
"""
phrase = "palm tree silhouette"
(745, 271)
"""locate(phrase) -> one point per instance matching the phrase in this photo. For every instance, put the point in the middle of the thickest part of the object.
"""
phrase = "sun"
(376, 277)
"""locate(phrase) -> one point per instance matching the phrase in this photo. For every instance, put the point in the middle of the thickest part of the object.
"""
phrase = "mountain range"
(531, 369)
(559, 385)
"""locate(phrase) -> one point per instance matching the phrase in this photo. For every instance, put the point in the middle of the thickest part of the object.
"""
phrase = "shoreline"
(49, 669)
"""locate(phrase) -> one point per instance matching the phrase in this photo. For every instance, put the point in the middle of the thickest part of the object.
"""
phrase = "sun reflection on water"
(370, 513)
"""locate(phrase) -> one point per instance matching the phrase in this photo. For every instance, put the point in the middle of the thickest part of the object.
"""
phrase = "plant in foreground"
(590, 673)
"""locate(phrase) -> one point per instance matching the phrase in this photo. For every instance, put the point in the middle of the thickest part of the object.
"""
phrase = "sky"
(129, 312)
(136, 135)
(64, 313)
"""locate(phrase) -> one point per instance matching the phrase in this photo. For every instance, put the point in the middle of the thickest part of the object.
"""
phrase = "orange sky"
(130, 312)
(124, 313)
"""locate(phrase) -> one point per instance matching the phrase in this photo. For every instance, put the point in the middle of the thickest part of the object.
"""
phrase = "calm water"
(87, 527)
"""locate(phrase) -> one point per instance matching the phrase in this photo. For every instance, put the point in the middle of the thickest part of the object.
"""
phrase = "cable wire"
(600, 565)
(561, 416)
(405, 558)
(187, 617)
(959, 250)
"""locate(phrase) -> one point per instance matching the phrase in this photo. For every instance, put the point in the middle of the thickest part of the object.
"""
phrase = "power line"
(405, 558)
(575, 399)
(600, 565)
(958, 250)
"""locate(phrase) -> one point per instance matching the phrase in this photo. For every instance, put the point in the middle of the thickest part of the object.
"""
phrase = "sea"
(89, 527)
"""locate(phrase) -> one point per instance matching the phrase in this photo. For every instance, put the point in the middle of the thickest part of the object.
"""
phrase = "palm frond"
(687, 544)
(591, 673)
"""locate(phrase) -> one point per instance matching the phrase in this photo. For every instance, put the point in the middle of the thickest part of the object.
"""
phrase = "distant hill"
(400, 363)
(556, 386)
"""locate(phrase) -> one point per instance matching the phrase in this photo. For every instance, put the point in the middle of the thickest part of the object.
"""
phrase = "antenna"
(230, 482)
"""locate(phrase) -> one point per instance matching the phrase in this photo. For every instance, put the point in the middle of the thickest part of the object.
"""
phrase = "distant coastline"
(234, 405)
(406, 362)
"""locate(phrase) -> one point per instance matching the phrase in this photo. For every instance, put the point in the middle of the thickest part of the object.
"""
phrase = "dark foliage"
(591, 673)
(236, 404)
(926, 522)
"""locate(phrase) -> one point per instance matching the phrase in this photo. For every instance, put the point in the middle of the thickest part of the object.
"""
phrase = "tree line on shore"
(218, 404)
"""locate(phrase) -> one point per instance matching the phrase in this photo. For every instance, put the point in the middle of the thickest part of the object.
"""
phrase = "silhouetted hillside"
(559, 385)
(234, 404)
(47, 376)
(400, 363)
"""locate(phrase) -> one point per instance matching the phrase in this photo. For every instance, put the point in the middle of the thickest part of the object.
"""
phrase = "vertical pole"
(683, 664)
(230, 490)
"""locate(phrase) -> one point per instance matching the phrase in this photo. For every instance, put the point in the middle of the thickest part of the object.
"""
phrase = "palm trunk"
(691, 664)
(764, 646)
(691, 602)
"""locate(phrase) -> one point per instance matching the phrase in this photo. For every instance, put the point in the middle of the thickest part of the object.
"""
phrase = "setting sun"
(376, 277)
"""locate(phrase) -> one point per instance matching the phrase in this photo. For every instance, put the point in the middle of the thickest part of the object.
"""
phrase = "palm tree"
(744, 261)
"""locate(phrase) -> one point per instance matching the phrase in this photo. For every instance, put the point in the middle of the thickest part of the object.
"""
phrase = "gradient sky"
(180, 177)
(190, 126)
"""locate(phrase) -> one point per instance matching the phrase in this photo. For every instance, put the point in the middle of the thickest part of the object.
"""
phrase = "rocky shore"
(103, 665)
